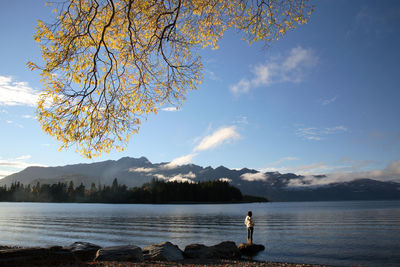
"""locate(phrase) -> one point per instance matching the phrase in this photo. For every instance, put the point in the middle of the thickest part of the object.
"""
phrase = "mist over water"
(337, 233)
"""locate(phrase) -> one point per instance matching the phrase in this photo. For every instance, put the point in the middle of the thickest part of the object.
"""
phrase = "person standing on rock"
(249, 222)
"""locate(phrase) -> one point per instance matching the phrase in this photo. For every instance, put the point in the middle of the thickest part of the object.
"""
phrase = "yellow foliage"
(110, 63)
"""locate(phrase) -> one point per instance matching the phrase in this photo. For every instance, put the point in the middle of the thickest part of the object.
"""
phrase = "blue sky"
(324, 99)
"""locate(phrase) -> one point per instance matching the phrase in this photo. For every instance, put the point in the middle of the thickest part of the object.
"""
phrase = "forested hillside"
(154, 192)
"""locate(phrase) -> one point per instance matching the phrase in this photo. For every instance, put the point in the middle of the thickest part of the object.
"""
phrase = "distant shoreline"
(155, 192)
(146, 203)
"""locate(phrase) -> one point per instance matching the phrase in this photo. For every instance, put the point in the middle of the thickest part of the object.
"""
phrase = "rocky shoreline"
(226, 253)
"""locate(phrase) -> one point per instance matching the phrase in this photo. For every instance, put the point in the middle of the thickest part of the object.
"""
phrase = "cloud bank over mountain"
(379, 184)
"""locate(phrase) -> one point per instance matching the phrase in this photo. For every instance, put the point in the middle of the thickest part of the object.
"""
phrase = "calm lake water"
(337, 233)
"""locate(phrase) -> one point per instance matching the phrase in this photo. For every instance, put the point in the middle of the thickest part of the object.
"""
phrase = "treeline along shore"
(154, 192)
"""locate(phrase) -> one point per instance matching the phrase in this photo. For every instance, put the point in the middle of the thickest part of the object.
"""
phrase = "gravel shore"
(44, 261)
(211, 263)
(201, 263)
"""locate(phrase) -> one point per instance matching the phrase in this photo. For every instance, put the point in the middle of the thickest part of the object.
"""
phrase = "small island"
(154, 192)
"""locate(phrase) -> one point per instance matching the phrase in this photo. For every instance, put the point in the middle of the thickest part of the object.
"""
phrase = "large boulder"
(197, 251)
(8, 247)
(120, 253)
(83, 250)
(165, 251)
(224, 250)
(250, 249)
(36, 256)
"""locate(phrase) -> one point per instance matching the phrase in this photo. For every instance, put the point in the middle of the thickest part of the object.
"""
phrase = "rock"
(36, 256)
(120, 253)
(55, 248)
(83, 250)
(8, 247)
(224, 250)
(250, 250)
(165, 251)
(197, 251)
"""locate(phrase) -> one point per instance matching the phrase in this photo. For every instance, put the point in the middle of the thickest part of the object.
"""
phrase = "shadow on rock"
(250, 250)
(224, 250)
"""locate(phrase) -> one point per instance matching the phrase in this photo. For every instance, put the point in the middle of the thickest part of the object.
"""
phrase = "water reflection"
(341, 233)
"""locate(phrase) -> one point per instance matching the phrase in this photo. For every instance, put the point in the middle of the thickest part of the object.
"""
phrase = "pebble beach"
(61, 260)
(198, 263)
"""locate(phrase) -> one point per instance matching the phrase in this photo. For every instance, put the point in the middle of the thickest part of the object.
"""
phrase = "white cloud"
(190, 175)
(224, 179)
(141, 169)
(337, 129)
(18, 164)
(258, 176)
(372, 23)
(180, 161)
(219, 137)
(15, 93)
(14, 123)
(328, 101)
(305, 169)
(317, 167)
(280, 161)
(241, 120)
(159, 176)
(310, 133)
(299, 58)
(4, 173)
(182, 178)
(344, 165)
(393, 168)
(242, 87)
(14, 164)
(352, 165)
(390, 173)
(10, 166)
(344, 170)
(262, 75)
(27, 116)
(212, 76)
(318, 134)
(23, 157)
(291, 69)
(170, 109)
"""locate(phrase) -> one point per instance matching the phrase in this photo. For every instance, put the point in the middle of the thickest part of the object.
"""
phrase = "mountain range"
(272, 185)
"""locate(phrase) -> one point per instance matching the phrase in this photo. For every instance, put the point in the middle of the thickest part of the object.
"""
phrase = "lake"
(336, 233)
